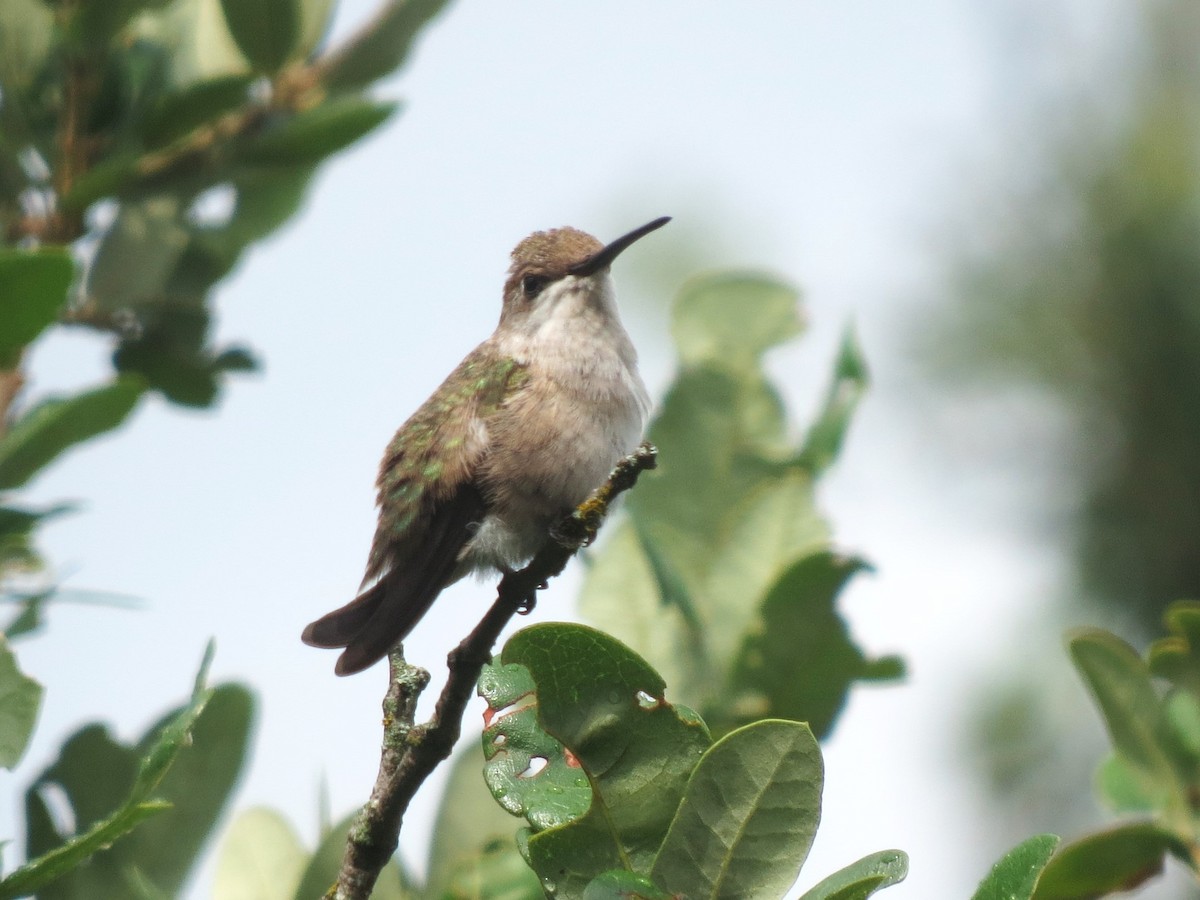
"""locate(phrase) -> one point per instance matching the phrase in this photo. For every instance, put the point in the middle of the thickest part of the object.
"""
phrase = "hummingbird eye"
(531, 285)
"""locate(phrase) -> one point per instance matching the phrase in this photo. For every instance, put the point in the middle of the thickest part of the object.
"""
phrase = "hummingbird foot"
(525, 590)
(572, 533)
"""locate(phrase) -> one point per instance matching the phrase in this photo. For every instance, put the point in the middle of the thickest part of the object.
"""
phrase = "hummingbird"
(515, 438)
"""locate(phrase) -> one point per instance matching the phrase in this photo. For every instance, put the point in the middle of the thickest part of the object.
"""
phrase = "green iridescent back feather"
(435, 451)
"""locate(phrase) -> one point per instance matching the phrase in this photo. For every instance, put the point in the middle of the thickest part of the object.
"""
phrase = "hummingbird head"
(562, 272)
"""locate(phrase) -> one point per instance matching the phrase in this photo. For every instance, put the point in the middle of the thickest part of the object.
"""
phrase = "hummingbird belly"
(548, 452)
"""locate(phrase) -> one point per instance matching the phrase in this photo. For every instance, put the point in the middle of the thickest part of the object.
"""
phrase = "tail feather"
(338, 628)
(374, 621)
(381, 616)
(398, 607)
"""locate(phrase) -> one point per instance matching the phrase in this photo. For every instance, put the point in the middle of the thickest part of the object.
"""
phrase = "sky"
(821, 142)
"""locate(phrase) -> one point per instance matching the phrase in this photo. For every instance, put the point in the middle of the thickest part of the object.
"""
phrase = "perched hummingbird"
(519, 434)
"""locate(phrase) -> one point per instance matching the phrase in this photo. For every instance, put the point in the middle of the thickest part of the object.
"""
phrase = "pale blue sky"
(821, 141)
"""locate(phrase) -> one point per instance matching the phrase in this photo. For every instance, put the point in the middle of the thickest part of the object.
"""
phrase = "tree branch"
(411, 752)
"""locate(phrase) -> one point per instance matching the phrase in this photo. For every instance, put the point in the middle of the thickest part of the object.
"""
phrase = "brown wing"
(371, 624)
(427, 504)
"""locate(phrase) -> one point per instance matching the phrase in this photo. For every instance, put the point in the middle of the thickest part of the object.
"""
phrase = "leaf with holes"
(631, 750)
(528, 772)
(748, 817)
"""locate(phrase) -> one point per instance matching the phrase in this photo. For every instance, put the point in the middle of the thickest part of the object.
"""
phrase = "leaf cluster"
(1151, 709)
(627, 795)
(145, 146)
(723, 575)
(161, 797)
(625, 792)
(172, 136)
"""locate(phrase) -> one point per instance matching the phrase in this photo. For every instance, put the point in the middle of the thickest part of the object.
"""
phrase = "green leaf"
(800, 662)
(171, 354)
(308, 137)
(108, 178)
(748, 816)
(199, 39)
(623, 597)
(1176, 657)
(26, 34)
(96, 23)
(825, 436)
(33, 290)
(711, 328)
(164, 741)
(260, 858)
(138, 254)
(620, 884)
(381, 47)
(48, 869)
(861, 879)
(266, 199)
(29, 619)
(323, 866)
(55, 425)
(314, 25)
(1181, 710)
(1016, 875)
(16, 545)
(182, 112)
(1119, 859)
(200, 780)
(190, 762)
(322, 870)
(1120, 683)
(605, 706)
(266, 31)
(495, 871)
(473, 836)
(20, 700)
(1123, 788)
(773, 526)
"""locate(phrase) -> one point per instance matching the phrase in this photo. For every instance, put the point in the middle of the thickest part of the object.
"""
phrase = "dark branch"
(411, 752)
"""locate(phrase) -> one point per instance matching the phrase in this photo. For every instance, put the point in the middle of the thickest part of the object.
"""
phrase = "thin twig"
(411, 752)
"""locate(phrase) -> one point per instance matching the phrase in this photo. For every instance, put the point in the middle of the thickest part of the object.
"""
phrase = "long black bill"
(603, 258)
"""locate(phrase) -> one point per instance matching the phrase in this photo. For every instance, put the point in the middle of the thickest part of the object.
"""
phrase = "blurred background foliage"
(1080, 286)
(1083, 283)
